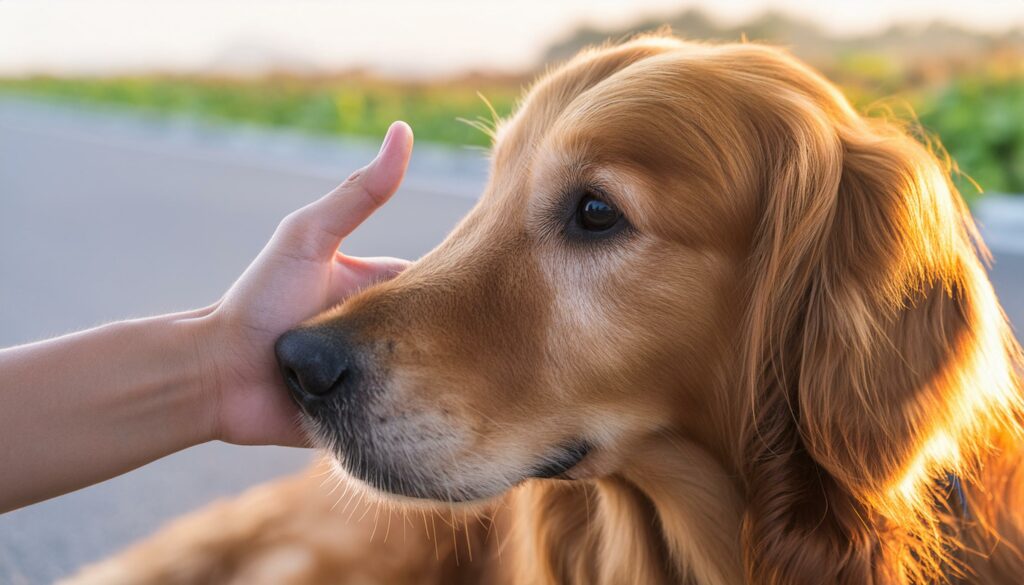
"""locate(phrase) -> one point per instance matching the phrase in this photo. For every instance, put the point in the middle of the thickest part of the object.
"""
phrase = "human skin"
(85, 407)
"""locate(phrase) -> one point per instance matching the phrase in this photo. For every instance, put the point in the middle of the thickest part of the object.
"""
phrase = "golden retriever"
(707, 324)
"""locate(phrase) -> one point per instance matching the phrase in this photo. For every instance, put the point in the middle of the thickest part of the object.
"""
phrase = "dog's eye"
(595, 215)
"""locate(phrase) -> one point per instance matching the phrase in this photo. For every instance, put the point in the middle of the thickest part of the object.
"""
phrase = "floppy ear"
(877, 357)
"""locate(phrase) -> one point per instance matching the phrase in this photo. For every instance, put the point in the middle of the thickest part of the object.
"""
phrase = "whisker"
(465, 528)
(376, 517)
(387, 531)
(437, 554)
(455, 541)
(355, 507)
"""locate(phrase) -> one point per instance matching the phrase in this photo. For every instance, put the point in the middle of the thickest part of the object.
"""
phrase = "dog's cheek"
(637, 336)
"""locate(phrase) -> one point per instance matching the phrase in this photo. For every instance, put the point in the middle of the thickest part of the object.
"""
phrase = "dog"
(707, 324)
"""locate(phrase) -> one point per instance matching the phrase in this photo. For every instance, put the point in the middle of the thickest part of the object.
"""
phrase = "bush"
(981, 123)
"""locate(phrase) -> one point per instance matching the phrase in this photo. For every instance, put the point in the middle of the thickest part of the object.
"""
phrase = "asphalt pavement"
(105, 216)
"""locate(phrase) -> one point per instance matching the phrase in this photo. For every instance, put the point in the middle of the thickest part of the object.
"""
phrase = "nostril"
(291, 378)
(312, 364)
(341, 377)
(323, 380)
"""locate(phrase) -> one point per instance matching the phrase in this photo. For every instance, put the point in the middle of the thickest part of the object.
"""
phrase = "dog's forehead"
(548, 98)
(646, 121)
(648, 108)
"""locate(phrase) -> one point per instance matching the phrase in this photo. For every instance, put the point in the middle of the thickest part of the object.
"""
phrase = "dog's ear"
(866, 269)
(877, 357)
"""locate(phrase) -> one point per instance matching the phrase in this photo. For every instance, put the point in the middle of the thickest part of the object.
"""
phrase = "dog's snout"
(314, 365)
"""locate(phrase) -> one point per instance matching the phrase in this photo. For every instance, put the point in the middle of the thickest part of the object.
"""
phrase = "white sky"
(422, 37)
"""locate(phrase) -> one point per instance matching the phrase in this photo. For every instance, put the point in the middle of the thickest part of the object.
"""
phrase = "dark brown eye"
(595, 215)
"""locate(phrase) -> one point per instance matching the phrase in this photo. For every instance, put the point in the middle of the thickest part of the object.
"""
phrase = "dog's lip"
(568, 456)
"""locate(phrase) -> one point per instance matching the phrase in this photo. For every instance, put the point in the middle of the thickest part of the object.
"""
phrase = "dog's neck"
(699, 509)
(672, 516)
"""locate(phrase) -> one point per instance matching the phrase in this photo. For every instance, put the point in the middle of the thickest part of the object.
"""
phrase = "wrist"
(198, 331)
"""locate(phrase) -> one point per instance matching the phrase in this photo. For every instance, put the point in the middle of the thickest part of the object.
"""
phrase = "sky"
(393, 37)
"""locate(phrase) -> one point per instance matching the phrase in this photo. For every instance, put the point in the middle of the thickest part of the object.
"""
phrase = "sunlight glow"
(394, 37)
(987, 360)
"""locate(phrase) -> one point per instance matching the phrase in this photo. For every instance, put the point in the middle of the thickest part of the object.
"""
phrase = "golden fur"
(780, 365)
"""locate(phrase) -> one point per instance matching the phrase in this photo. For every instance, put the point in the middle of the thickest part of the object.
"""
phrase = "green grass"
(358, 108)
(978, 119)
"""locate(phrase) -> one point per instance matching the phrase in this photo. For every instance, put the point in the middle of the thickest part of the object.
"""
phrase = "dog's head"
(702, 239)
(584, 302)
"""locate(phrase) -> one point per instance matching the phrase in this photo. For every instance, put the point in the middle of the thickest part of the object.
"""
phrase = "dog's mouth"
(415, 454)
(425, 486)
(567, 457)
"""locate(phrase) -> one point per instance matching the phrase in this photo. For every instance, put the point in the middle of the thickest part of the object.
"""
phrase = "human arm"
(85, 407)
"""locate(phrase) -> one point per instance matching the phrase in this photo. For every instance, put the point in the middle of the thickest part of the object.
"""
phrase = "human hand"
(298, 274)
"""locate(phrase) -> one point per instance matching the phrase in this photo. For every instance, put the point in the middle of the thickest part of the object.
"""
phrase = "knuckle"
(295, 224)
(355, 178)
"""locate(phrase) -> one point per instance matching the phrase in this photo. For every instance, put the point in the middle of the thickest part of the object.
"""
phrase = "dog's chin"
(396, 486)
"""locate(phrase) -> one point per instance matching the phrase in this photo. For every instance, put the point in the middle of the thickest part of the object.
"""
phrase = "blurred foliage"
(977, 116)
(358, 106)
(965, 88)
(980, 121)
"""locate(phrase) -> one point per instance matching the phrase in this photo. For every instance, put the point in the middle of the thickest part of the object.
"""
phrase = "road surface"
(105, 217)
(102, 219)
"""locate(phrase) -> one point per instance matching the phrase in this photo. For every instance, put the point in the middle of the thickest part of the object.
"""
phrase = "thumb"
(325, 222)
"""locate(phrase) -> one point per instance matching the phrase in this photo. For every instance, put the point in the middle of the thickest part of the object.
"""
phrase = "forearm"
(85, 407)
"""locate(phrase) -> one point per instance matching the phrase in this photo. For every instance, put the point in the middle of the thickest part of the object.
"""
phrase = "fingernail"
(387, 138)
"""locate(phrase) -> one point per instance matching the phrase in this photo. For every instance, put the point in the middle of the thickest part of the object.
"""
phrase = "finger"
(327, 221)
(268, 417)
(372, 267)
(284, 432)
(350, 275)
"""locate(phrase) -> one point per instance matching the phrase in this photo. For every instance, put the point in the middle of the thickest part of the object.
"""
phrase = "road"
(104, 217)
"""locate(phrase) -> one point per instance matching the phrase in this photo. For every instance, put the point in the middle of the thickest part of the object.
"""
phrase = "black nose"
(313, 363)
